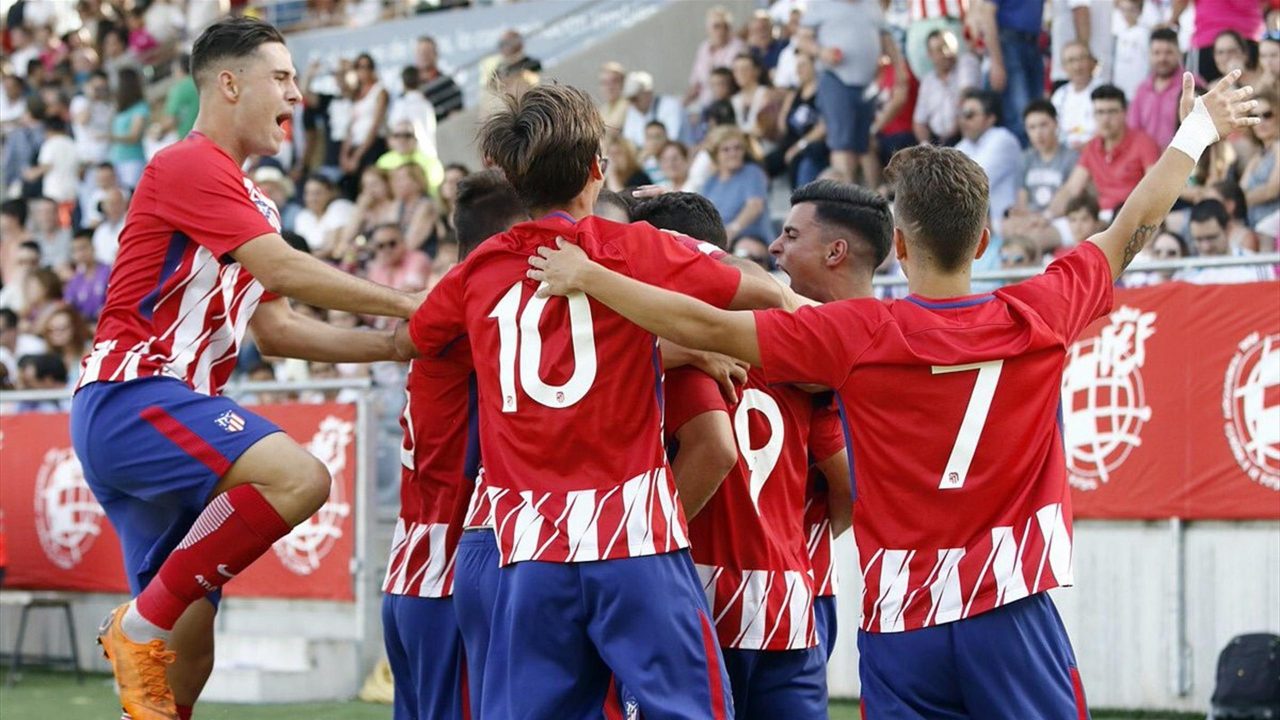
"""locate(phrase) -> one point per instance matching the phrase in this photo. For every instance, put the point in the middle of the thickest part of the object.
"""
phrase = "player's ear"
(228, 85)
(837, 251)
(899, 245)
(984, 242)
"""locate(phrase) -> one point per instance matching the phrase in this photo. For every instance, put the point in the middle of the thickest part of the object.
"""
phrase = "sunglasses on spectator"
(1014, 259)
(732, 147)
(385, 244)
(1165, 253)
(402, 135)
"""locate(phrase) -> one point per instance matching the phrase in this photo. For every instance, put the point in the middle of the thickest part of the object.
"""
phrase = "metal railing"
(1190, 263)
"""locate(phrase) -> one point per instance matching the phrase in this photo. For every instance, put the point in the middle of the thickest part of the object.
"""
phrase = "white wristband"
(1196, 133)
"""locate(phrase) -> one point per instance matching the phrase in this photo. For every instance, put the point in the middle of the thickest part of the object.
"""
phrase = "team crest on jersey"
(1251, 408)
(230, 421)
(265, 205)
(302, 550)
(1104, 406)
(68, 518)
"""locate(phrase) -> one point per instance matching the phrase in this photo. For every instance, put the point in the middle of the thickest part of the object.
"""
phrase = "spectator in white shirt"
(934, 119)
(645, 106)
(323, 215)
(1073, 101)
(718, 50)
(56, 164)
(994, 148)
(106, 237)
(91, 114)
(414, 107)
(1085, 21)
(1132, 38)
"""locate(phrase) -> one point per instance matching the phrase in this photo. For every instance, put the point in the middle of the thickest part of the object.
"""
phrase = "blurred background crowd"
(1064, 104)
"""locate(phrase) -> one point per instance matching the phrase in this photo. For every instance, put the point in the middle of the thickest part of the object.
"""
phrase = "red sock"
(235, 529)
(184, 712)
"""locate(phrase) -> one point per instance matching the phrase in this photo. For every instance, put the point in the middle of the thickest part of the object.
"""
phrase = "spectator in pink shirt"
(1212, 17)
(393, 263)
(718, 50)
(1154, 109)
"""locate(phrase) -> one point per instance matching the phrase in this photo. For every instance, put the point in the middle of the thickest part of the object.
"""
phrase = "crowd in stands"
(1064, 105)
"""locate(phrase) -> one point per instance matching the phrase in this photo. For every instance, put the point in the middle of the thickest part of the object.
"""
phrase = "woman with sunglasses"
(1260, 180)
(365, 140)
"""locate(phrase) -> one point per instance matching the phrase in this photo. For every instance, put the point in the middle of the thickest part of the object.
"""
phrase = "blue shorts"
(475, 582)
(824, 617)
(847, 113)
(1013, 662)
(769, 684)
(425, 652)
(561, 629)
(152, 451)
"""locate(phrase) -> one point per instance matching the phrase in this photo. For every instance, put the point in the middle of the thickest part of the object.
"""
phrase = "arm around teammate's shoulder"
(281, 332)
(285, 271)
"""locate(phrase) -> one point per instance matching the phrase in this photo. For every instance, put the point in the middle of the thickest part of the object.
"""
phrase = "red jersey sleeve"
(659, 259)
(1073, 291)
(817, 344)
(215, 204)
(439, 320)
(688, 393)
(826, 433)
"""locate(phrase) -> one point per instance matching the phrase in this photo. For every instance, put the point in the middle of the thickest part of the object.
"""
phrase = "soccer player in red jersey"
(196, 486)
(834, 238)
(962, 514)
(587, 518)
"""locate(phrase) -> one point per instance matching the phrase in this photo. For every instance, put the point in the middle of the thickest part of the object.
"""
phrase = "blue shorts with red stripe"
(824, 618)
(152, 451)
(475, 583)
(561, 630)
(769, 684)
(1012, 662)
(424, 649)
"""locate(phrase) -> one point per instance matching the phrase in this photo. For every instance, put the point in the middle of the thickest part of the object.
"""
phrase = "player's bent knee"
(313, 486)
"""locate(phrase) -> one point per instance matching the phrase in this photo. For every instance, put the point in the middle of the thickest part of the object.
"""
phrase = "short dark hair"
(728, 75)
(487, 205)
(47, 366)
(546, 141)
(1164, 34)
(83, 233)
(1040, 105)
(129, 90)
(1210, 209)
(1109, 92)
(659, 123)
(941, 200)
(31, 245)
(16, 209)
(233, 37)
(686, 213)
(616, 200)
(8, 319)
(721, 112)
(853, 209)
(55, 124)
(1083, 201)
(988, 99)
(410, 77)
(323, 179)
(1231, 192)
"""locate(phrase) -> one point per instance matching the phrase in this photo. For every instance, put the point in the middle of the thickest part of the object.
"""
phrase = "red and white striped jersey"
(570, 392)
(748, 541)
(962, 500)
(480, 511)
(825, 442)
(930, 9)
(177, 305)
(438, 457)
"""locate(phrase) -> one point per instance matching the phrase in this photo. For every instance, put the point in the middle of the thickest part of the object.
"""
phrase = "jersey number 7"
(975, 418)
(526, 335)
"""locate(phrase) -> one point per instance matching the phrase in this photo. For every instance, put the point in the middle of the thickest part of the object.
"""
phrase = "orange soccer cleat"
(140, 670)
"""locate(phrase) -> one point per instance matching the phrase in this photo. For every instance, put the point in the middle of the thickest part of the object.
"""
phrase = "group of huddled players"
(625, 452)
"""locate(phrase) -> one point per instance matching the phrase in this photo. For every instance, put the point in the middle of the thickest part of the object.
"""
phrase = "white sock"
(140, 629)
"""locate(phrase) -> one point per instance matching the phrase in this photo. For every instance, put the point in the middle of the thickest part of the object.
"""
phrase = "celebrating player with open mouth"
(196, 486)
(962, 516)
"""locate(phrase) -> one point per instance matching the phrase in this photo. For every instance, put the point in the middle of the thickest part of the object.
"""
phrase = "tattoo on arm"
(1136, 242)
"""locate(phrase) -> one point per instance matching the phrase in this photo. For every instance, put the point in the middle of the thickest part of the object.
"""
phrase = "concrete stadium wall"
(1123, 612)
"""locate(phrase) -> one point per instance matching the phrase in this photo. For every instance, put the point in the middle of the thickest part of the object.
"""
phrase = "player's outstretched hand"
(559, 269)
(729, 372)
(1228, 107)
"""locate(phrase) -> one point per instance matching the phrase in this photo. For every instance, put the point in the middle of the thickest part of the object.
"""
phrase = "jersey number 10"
(526, 335)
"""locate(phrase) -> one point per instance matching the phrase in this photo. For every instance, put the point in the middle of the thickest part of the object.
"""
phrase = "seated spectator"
(127, 128)
(802, 150)
(142, 44)
(718, 50)
(106, 237)
(57, 167)
(26, 261)
(44, 371)
(739, 189)
(1018, 253)
(280, 188)
(1131, 37)
(1154, 109)
(1239, 234)
(761, 43)
(1166, 245)
(405, 149)
(323, 215)
(1209, 221)
(394, 263)
(1232, 52)
(1083, 218)
(445, 201)
(13, 101)
(413, 108)
(512, 55)
(701, 167)
(91, 114)
(1260, 180)
(613, 103)
(375, 205)
(86, 290)
(655, 138)
(1115, 160)
(13, 233)
(644, 107)
(181, 104)
(993, 147)
(415, 213)
(1269, 58)
(624, 169)
(1046, 165)
(440, 89)
(42, 290)
(116, 56)
(935, 116)
(753, 103)
(784, 75)
(8, 341)
(102, 180)
(674, 161)
(66, 335)
(1073, 100)
(54, 237)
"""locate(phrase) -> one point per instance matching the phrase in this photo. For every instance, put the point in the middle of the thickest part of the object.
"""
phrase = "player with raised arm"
(587, 518)
(196, 486)
(962, 516)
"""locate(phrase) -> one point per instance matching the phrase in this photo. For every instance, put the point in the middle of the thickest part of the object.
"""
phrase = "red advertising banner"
(1171, 405)
(59, 538)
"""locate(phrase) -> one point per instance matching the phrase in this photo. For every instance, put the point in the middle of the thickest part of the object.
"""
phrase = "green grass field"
(56, 696)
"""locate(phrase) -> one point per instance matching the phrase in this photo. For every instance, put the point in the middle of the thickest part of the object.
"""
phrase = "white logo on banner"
(1103, 404)
(306, 545)
(68, 518)
(1251, 408)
